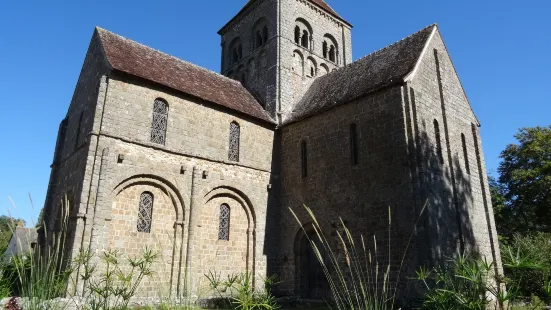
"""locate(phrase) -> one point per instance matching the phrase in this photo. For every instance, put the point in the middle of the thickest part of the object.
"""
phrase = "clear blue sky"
(501, 50)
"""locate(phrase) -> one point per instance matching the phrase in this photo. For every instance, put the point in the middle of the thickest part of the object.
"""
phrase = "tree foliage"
(522, 195)
(7, 227)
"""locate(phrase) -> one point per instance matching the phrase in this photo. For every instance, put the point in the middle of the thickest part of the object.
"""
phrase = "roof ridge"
(165, 54)
(395, 43)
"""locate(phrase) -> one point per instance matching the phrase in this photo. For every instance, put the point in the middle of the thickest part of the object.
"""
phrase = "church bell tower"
(277, 48)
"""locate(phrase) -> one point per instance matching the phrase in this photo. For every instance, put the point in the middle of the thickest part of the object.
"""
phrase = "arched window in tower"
(312, 68)
(79, 128)
(159, 122)
(224, 223)
(236, 51)
(258, 40)
(260, 33)
(298, 63)
(465, 154)
(305, 40)
(330, 48)
(145, 212)
(303, 33)
(332, 54)
(304, 159)
(438, 141)
(265, 34)
(235, 136)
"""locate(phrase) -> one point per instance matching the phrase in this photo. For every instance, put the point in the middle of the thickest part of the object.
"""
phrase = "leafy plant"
(469, 283)
(42, 276)
(535, 249)
(360, 280)
(238, 292)
(115, 285)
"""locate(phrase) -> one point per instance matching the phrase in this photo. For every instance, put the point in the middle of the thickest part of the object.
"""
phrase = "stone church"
(203, 167)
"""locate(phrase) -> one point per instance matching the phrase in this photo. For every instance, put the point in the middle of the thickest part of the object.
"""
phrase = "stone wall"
(361, 194)
(67, 178)
(295, 72)
(278, 73)
(454, 179)
(189, 177)
(257, 69)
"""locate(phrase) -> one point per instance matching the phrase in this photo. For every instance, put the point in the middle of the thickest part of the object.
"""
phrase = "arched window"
(323, 69)
(332, 54)
(145, 212)
(79, 128)
(303, 33)
(438, 141)
(224, 223)
(159, 123)
(305, 40)
(330, 48)
(298, 63)
(258, 40)
(235, 133)
(353, 144)
(236, 51)
(312, 68)
(465, 154)
(304, 159)
(265, 34)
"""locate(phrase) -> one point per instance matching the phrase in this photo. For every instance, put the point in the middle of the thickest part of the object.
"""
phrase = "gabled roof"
(383, 68)
(320, 3)
(144, 62)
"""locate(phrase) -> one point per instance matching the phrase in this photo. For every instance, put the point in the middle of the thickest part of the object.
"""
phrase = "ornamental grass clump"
(359, 280)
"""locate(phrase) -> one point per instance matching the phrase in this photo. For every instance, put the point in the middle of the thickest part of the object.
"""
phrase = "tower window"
(438, 141)
(353, 144)
(224, 224)
(265, 34)
(259, 42)
(159, 122)
(305, 40)
(235, 133)
(297, 35)
(312, 68)
(79, 128)
(304, 159)
(330, 48)
(145, 212)
(236, 51)
(332, 56)
(465, 154)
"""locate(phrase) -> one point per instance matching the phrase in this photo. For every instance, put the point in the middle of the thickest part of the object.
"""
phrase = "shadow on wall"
(443, 174)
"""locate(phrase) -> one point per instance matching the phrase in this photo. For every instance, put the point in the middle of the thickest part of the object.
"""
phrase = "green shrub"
(114, 286)
(469, 283)
(537, 249)
(237, 291)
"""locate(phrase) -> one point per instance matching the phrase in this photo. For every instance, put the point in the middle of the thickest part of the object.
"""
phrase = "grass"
(359, 280)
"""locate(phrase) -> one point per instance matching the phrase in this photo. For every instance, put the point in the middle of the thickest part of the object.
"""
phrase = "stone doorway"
(311, 281)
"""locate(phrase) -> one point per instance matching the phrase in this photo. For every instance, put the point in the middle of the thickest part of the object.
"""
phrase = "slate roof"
(320, 3)
(139, 60)
(383, 68)
(21, 241)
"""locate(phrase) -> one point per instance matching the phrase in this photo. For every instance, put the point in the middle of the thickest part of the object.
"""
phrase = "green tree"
(523, 194)
(7, 227)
